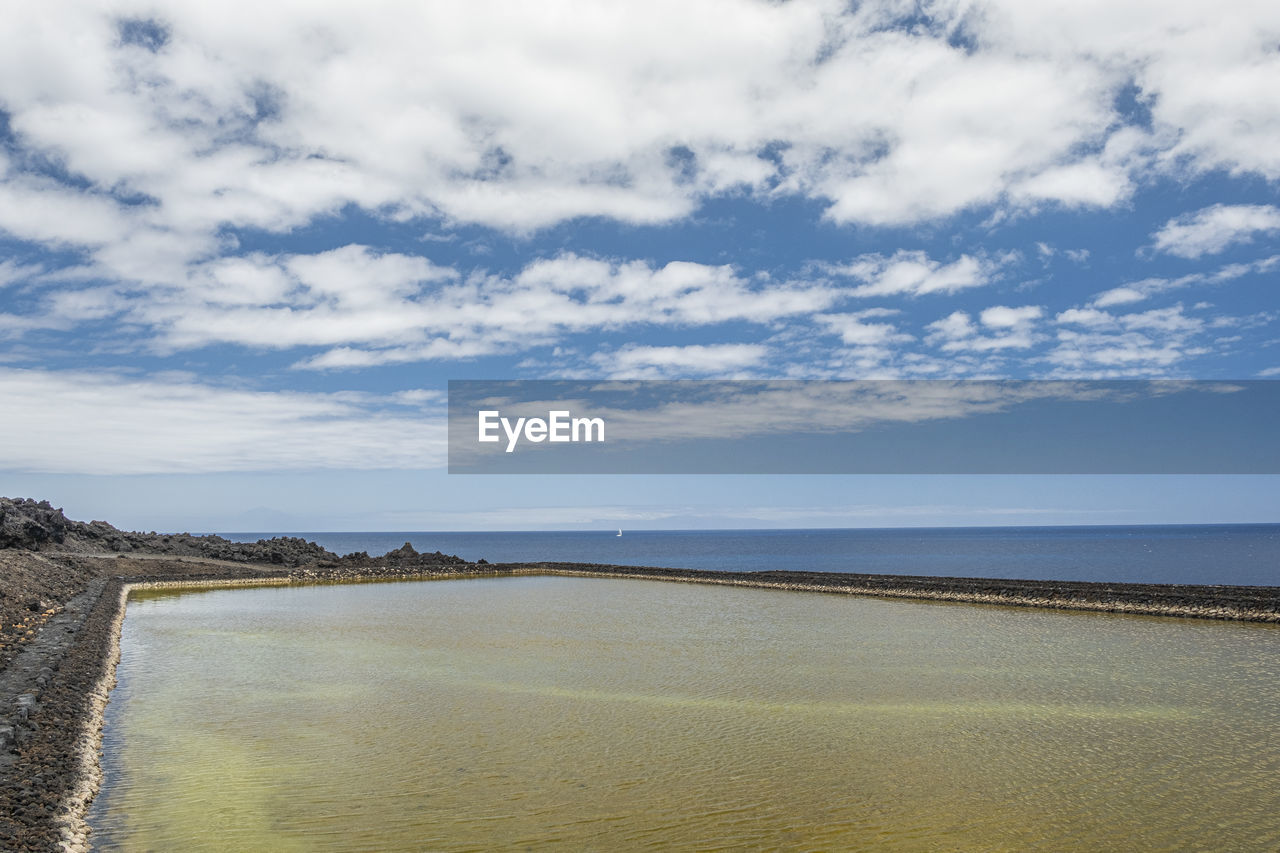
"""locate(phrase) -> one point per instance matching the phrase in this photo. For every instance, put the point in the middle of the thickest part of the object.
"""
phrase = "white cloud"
(1137, 291)
(854, 330)
(1121, 296)
(1212, 229)
(1047, 253)
(381, 308)
(1101, 344)
(145, 160)
(12, 271)
(1086, 317)
(1075, 185)
(15, 324)
(653, 362)
(915, 274)
(1011, 328)
(437, 349)
(44, 211)
(1204, 72)
(1172, 318)
(954, 326)
(520, 115)
(104, 423)
(1004, 317)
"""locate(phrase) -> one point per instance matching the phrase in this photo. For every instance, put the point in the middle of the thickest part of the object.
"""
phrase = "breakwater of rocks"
(1237, 603)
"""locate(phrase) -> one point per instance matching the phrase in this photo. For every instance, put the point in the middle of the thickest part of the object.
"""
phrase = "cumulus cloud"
(1004, 317)
(854, 330)
(383, 308)
(143, 143)
(1213, 229)
(908, 273)
(1046, 253)
(519, 116)
(1203, 73)
(1084, 184)
(12, 271)
(369, 307)
(105, 423)
(1103, 344)
(1001, 328)
(1137, 291)
(655, 362)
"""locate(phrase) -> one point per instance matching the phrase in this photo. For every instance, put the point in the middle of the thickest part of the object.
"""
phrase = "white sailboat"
(619, 531)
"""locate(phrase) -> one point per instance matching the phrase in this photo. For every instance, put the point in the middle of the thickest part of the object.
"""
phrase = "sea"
(1233, 554)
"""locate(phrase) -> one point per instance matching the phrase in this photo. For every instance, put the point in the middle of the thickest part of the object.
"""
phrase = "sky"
(244, 246)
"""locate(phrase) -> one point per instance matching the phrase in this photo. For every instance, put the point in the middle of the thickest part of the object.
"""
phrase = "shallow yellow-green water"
(595, 714)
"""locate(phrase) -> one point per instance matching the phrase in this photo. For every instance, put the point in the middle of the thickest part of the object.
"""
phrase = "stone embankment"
(63, 586)
(1237, 603)
(60, 663)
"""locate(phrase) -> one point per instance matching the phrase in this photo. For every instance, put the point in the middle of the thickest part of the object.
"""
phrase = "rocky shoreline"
(63, 590)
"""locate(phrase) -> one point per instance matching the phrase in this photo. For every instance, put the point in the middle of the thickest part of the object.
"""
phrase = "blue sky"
(238, 264)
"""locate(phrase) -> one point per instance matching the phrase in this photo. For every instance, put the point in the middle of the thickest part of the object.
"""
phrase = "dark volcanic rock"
(36, 526)
(29, 524)
(404, 551)
(403, 559)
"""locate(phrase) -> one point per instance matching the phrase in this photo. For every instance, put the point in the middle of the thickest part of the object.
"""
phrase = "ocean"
(1237, 554)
